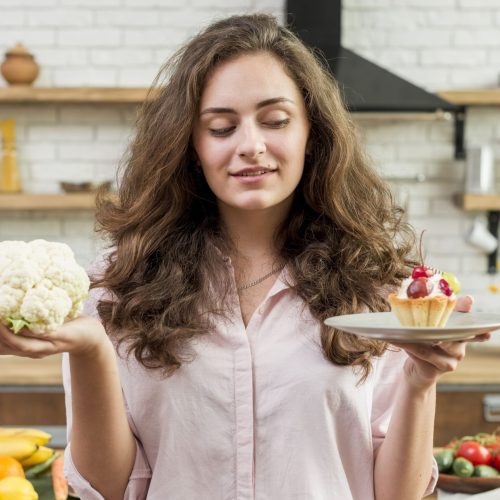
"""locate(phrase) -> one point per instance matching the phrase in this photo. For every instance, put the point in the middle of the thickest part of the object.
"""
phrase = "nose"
(252, 143)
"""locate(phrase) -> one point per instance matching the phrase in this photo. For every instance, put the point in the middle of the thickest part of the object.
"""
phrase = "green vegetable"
(41, 284)
(485, 471)
(444, 459)
(39, 469)
(463, 467)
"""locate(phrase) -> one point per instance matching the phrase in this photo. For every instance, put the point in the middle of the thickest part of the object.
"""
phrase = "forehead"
(250, 78)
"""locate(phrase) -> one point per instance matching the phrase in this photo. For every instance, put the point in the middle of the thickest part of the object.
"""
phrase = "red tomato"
(474, 452)
(496, 462)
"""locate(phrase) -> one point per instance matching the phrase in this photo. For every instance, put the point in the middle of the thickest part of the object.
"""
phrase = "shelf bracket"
(493, 219)
(460, 133)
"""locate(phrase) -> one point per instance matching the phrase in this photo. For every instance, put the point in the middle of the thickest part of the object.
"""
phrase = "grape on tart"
(426, 298)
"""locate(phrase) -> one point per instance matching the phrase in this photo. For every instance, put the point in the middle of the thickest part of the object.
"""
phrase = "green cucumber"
(463, 467)
(485, 471)
(444, 459)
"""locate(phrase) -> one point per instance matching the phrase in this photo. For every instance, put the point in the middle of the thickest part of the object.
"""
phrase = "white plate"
(385, 326)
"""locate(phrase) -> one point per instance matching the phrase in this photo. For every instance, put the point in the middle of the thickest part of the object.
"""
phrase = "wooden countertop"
(480, 366)
(25, 371)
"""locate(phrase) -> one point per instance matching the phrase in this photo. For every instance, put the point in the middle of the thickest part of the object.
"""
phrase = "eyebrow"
(261, 104)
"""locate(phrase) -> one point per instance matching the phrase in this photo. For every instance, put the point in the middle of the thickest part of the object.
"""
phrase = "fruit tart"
(426, 298)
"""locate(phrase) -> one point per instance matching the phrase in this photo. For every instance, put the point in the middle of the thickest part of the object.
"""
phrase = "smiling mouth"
(253, 174)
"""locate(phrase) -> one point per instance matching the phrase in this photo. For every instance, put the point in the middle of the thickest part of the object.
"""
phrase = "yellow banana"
(41, 455)
(37, 436)
(18, 448)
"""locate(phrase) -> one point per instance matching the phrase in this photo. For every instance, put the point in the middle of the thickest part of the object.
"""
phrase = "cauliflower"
(41, 285)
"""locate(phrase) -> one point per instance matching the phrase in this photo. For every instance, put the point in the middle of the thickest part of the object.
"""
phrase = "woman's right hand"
(78, 337)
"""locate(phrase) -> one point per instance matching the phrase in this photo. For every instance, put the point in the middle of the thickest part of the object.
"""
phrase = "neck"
(252, 232)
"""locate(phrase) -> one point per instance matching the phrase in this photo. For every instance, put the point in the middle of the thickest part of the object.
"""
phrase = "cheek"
(291, 153)
(213, 154)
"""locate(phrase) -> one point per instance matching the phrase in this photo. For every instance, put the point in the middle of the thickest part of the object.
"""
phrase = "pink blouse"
(260, 414)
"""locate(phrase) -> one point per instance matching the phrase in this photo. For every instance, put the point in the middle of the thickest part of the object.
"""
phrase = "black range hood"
(366, 86)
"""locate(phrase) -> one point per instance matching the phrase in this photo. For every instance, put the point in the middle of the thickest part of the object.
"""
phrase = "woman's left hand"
(428, 361)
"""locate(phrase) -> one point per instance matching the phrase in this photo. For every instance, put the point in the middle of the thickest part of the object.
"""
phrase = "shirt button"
(261, 310)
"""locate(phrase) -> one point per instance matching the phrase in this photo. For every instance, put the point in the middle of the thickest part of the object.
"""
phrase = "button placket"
(244, 414)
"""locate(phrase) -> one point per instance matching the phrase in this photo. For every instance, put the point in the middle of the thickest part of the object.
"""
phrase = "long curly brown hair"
(345, 241)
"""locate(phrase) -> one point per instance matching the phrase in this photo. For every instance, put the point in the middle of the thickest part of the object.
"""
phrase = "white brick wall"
(436, 44)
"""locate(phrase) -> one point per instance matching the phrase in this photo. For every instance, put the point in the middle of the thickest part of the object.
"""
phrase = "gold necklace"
(261, 279)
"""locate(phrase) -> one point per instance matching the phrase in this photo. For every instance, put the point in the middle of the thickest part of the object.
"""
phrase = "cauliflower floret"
(10, 303)
(48, 253)
(41, 285)
(22, 274)
(10, 251)
(45, 307)
(71, 278)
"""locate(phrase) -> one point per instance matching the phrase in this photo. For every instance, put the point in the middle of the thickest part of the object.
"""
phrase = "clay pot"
(19, 66)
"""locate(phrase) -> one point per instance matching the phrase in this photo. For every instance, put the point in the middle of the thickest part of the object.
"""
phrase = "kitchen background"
(439, 45)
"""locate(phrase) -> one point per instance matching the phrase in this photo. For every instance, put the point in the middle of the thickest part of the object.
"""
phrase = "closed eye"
(278, 123)
(221, 132)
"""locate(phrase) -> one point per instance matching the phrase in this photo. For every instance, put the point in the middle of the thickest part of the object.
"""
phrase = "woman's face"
(251, 133)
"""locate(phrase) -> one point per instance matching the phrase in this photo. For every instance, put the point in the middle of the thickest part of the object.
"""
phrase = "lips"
(252, 171)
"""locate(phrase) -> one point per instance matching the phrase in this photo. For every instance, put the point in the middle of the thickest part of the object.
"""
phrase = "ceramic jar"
(19, 66)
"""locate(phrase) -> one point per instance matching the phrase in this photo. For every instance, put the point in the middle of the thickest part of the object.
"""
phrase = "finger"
(464, 304)
(453, 347)
(443, 357)
(23, 345)
(440, 362)
(483, 337)
(4, 349)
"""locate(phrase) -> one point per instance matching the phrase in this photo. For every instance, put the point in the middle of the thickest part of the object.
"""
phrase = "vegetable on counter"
(468, 456)
(17, 488)
(475, 452)
(28, 468)
(58, 480)
(462, 467)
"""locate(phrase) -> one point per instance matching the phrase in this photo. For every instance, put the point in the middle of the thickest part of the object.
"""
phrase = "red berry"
(421, 272)
(445, 287)
(417, 288)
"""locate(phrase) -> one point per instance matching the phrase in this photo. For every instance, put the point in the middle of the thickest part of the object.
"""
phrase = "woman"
(246, 215)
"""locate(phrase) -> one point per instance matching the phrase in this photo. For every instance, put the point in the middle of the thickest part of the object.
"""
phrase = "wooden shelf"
(136, 95)
(80, 201)
(29, 95)
(472, 97)
(478, 202)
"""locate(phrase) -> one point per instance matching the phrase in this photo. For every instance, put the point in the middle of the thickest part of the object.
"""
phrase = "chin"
(253, 204)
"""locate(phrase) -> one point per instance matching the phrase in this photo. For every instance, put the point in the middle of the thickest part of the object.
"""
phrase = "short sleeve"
(387, 374)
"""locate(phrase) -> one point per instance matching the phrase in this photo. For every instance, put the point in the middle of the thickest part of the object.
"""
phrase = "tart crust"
(424, 311)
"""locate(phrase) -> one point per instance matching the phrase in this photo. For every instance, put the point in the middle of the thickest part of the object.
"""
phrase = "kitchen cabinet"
(31, 391)
(468, 400)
